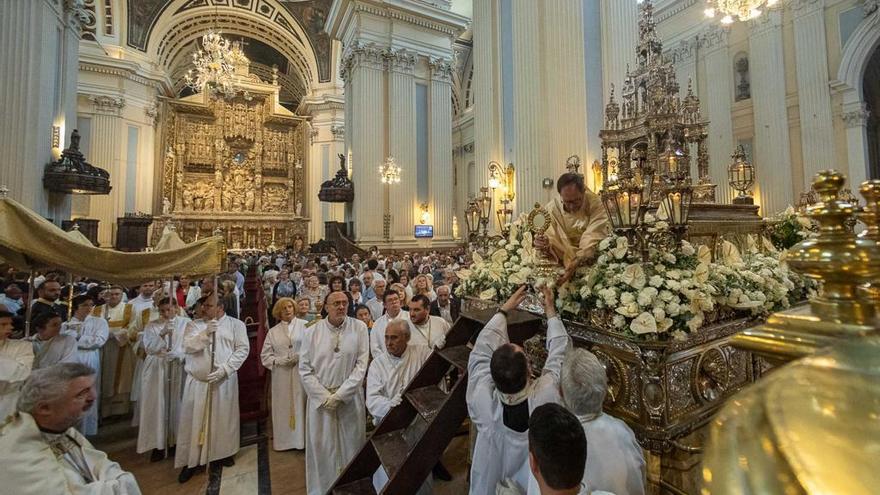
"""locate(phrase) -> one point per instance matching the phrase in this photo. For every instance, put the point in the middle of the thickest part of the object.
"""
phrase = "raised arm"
(558, 342)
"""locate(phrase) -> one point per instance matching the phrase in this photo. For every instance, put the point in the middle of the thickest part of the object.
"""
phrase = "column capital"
(714, 37)
(359, 54)
(765, 22)
(441, 69)
(802, 7)
(402, 61)
(858, 117)
(107, 104)
(685, 51)
(151, 110)
(871, 7)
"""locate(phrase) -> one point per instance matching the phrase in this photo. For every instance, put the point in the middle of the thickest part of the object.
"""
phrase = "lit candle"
(623, 207)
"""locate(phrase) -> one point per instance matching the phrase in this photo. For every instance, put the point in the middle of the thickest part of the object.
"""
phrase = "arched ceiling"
(294, 28)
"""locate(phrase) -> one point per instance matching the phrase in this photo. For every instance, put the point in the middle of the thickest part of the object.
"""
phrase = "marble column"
(364, 73)
(814, 92)
(488, 131)
(532, 132)
(718, 100)
(441, 202)
(620, 33)
(38, 77)
(855, 117)
(402, 140)
(106, 152)
(326, 142)
(772, 155)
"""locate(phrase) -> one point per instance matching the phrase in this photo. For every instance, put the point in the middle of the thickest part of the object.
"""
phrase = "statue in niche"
(299, 208)
(187, 198)
(249, 200)
(166, 206)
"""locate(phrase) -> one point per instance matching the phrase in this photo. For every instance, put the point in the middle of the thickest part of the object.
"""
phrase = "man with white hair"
(377, 304)
(45, 454)
(388, 377)
(615, 462)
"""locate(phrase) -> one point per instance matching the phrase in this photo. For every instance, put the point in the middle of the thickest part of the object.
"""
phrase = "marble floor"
(286, 469)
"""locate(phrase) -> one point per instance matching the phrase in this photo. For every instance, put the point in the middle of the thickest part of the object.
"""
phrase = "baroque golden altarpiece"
(234, 163)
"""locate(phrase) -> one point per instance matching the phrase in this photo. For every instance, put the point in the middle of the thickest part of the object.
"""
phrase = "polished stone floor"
(287, 469)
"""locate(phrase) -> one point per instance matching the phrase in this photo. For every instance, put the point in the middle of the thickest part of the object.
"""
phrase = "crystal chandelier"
(389, 172)
(731, 10)
(215, 65)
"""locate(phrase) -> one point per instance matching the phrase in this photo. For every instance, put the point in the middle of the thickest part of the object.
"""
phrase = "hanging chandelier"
(215, 65)
(389, 172)
(731, 10)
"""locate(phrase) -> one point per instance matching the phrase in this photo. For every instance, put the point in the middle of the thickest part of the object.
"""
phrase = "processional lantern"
(741, 175)
(472, 218)
(502, 177)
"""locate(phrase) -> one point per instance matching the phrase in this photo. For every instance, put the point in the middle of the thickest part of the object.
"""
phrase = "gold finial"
(573, 164)
(870, 215)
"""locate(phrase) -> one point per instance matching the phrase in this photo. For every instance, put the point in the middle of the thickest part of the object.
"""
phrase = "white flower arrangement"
(668, 296)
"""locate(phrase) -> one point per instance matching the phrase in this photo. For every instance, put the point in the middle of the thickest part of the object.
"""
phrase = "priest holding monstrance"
(578, 222)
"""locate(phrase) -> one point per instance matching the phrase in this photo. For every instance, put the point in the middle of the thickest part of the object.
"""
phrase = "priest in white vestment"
(117, 363)
(393, 311)
(427, 330)
(162, 380)
(387, 379)
(91, 333)
(208, 430)
(501, 395)
(333, 363)
(143, 308)
(615, 460)
(50, 347)
(280, 355)
(43, 453)
(16, 360)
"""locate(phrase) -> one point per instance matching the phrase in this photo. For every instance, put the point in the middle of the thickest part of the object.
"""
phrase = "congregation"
(346, 338)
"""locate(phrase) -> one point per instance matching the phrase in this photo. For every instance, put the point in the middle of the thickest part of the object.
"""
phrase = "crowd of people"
(346, 337)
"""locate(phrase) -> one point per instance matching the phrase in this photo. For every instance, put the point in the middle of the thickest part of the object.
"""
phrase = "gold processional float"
(668, 391)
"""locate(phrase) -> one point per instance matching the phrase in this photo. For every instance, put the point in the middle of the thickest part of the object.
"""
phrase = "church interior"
(681, 194)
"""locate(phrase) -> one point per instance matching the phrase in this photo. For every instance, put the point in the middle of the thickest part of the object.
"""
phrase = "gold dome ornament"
(809, 428)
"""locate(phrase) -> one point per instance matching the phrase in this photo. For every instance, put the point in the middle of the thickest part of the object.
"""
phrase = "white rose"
(673, 285)
(646, 296)
(644, 323)
(669, 258)
(673, 309)
(696, 322)
(627, 298)
(687, 248)
(666, 295)
(604, 244)
(619, 321)
(673, 274)
(659, 314)
(679, 335)
(656, 281)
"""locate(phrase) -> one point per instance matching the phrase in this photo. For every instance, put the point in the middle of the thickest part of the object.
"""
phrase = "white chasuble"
(280, 354)
(64, 463)
(16, 360)
(386, 381)
(91, 334)
(208, 429)
(333, 362)
(161, 384)
(500, 452)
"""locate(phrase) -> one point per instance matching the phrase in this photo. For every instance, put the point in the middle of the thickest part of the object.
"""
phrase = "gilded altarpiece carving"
(236, 164)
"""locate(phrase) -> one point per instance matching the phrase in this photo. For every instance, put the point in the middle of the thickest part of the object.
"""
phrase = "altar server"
(162, 381)
(501, 395)
(215, 348)
(50, 347)
(393, 303)
(143, 311)
(43, 453)
(16, 359)
(332, 364)
(615, 461)
(280, 354)
(389, 375)
(91, 333)
(117, 366)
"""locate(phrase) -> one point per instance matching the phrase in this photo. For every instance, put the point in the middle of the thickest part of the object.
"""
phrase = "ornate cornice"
(120, 72)
(409, 18)
(803, 7)
(107, 104)
(673, 9)
(857, 118)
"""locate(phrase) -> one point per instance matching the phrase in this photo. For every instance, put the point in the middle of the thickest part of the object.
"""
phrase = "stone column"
(488, 131)
(105, 152)
(718, 104)
(402, 140)
(440, 149)
(620, 33)
(532, 133)
(814, 93)
(772, 154)
(38, 76)
(855, 117)
(325, 142)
